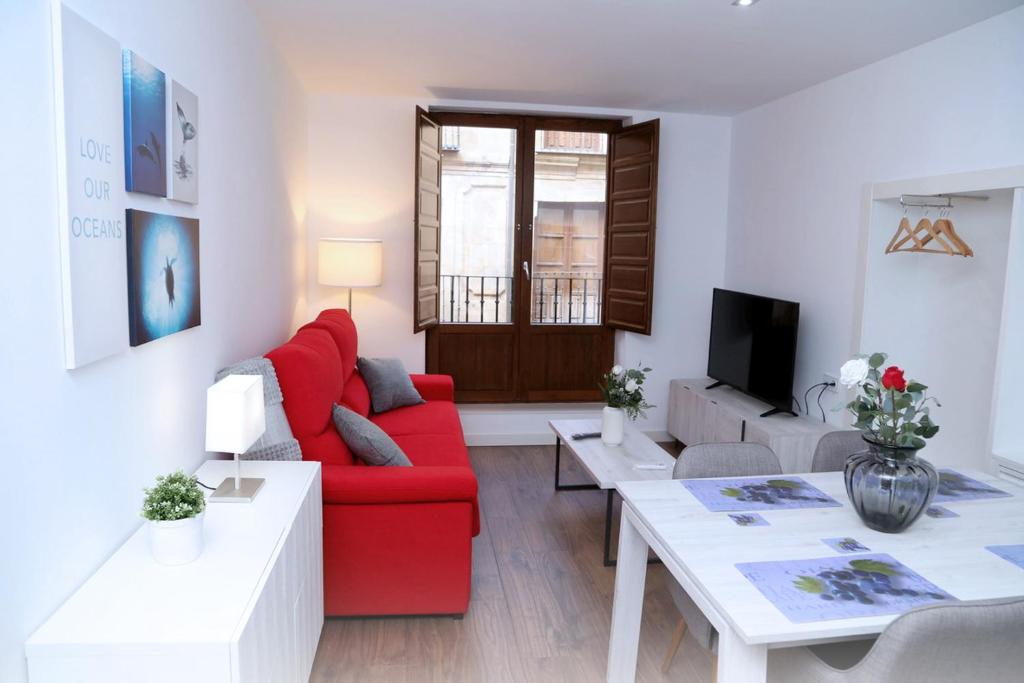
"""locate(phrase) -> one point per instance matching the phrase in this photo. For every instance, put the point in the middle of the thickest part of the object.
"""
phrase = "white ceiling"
(666, 55)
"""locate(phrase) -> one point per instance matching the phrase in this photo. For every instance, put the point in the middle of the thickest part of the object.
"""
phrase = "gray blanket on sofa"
(277, 442)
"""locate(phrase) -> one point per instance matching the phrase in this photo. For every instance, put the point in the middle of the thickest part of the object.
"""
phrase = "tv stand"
(697, 414)
(774, 411)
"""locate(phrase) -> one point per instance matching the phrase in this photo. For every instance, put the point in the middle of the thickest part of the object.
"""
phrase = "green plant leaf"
(731, 492)
(809, 584)
(874, 566)
(876, 360)
(783, 483)
(915, 387)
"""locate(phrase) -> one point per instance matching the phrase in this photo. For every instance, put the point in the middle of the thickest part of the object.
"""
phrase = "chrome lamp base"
(245, 493)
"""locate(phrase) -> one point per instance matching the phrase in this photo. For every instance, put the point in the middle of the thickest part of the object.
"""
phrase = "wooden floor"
(541, 603)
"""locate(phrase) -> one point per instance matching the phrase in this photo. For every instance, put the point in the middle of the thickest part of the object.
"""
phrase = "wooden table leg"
(739, 662)
(627, 606)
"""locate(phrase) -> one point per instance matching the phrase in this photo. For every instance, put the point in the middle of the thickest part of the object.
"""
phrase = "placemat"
(954, 487)
(827, 588)
(744, 494)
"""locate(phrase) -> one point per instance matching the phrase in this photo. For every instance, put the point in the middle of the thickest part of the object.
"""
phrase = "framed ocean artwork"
(163, 275)
(145, 126)
(184, 144)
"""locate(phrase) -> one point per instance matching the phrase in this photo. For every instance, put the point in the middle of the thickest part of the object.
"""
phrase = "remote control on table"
(585, 435)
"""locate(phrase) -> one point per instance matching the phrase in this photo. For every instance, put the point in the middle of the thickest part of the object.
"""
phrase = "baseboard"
(539, 438)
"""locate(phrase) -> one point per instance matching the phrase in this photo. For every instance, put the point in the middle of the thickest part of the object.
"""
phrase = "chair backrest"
(965, 641)
(834, 448)
(726, 460)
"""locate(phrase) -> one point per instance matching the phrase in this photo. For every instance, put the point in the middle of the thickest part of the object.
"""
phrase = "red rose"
(893, 379)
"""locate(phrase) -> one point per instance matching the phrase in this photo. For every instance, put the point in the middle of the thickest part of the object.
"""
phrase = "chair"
(699, 462)
(834, 448)
(966, 641)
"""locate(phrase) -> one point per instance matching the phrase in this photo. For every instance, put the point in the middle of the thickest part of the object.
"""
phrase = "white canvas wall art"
(184, 132)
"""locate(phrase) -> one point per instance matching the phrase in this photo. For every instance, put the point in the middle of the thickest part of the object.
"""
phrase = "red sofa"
(397, 540)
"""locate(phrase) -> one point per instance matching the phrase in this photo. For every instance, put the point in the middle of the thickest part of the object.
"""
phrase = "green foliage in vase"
(175, 496)
(891, 410)
(623, 388)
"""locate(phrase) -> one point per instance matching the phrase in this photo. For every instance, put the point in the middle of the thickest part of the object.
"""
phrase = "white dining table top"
(949, 552)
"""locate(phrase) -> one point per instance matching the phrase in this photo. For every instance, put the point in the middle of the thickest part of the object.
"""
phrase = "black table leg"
(608, 560)
(558, 466)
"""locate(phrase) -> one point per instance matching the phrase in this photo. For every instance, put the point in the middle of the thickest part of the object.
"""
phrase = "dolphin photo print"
(184, 144)
(163, 275)
(145, 126)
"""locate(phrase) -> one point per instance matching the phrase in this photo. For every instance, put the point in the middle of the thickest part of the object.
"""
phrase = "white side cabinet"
(250, 609)
(700, 415)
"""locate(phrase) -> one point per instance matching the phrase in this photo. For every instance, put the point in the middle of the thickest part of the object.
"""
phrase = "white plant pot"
(613, 422)
(177, 542)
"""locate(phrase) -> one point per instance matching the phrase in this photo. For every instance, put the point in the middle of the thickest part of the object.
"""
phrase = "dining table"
(766, 559)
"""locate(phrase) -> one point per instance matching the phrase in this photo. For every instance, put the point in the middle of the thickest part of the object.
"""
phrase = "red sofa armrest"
(357, 485)
(434, 387)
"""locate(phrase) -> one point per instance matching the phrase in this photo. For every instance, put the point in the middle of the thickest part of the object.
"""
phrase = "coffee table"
(637, 458)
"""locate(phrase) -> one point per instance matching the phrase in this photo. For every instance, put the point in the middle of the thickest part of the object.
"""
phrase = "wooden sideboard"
(697, 414)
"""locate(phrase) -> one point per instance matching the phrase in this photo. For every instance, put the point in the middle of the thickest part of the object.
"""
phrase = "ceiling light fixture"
(743, 3)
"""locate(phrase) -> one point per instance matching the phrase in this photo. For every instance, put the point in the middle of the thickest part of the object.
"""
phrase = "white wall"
(361, 185)
(79, 446)
(800, 165)
(939, 318)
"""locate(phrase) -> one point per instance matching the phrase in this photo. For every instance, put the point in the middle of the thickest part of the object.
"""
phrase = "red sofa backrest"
(316, 369)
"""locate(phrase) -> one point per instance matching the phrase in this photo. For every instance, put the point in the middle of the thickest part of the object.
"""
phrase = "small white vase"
(177, 542)
(613, 422)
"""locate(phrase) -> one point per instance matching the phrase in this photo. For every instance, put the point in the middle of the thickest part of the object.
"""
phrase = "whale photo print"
(163, 275)
(145, 126)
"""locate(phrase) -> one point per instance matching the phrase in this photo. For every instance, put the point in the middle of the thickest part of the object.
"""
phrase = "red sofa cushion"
(339, 325)
(431, 450)
(434, 387)
(357, 395)
(432, 417)
(309, 371)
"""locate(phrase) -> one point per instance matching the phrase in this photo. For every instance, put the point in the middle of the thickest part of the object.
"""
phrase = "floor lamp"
(349, 262)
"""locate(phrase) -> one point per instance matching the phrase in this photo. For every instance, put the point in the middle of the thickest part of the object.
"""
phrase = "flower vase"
(613, 421)
(176, 542)
(889, 486)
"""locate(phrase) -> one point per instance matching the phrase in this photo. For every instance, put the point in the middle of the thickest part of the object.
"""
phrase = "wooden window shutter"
(632, 211)
(427, 274)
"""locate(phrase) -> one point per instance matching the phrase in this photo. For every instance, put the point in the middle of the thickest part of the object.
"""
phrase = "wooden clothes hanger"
(925, 232)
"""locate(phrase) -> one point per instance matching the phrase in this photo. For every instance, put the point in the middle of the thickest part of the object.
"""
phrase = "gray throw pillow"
(367, 440)
(389, 384)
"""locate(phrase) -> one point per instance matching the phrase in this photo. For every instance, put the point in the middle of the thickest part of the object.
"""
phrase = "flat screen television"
(753, 346)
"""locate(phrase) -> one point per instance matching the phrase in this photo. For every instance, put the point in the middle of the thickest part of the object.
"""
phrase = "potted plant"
(624, 395)
(889, 484)
(174, 508)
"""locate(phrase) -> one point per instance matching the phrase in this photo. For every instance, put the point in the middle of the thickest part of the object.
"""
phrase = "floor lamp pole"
(350, 301)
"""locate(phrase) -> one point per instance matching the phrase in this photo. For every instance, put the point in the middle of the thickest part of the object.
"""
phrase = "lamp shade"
(235, 417)
(347, 262)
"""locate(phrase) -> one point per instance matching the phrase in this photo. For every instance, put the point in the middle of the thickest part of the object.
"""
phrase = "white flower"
(854, 372)
(631, 386)
(617, 370)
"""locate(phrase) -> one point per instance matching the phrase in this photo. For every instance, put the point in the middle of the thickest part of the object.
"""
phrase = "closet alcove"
(955, 323)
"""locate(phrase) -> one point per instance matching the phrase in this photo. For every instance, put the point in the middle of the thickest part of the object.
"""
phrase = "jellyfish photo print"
(163, 275)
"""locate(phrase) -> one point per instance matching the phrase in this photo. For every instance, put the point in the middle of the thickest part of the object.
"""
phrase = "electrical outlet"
(834, 380)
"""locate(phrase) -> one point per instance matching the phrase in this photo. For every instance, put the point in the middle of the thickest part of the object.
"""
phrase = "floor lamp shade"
(346, 262)
(235, 417)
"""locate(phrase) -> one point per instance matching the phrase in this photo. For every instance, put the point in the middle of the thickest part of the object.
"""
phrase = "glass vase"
(889, 486)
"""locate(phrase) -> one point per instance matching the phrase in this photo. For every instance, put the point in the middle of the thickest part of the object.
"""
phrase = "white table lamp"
(349, 262)
(235, 419)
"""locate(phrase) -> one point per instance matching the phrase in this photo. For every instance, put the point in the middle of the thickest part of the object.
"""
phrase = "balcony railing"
(557, 299)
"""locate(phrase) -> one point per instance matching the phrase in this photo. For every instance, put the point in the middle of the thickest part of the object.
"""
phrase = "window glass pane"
(477, 224)
(570, 177)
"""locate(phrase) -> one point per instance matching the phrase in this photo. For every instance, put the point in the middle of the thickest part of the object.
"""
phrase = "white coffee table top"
(609, 464)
